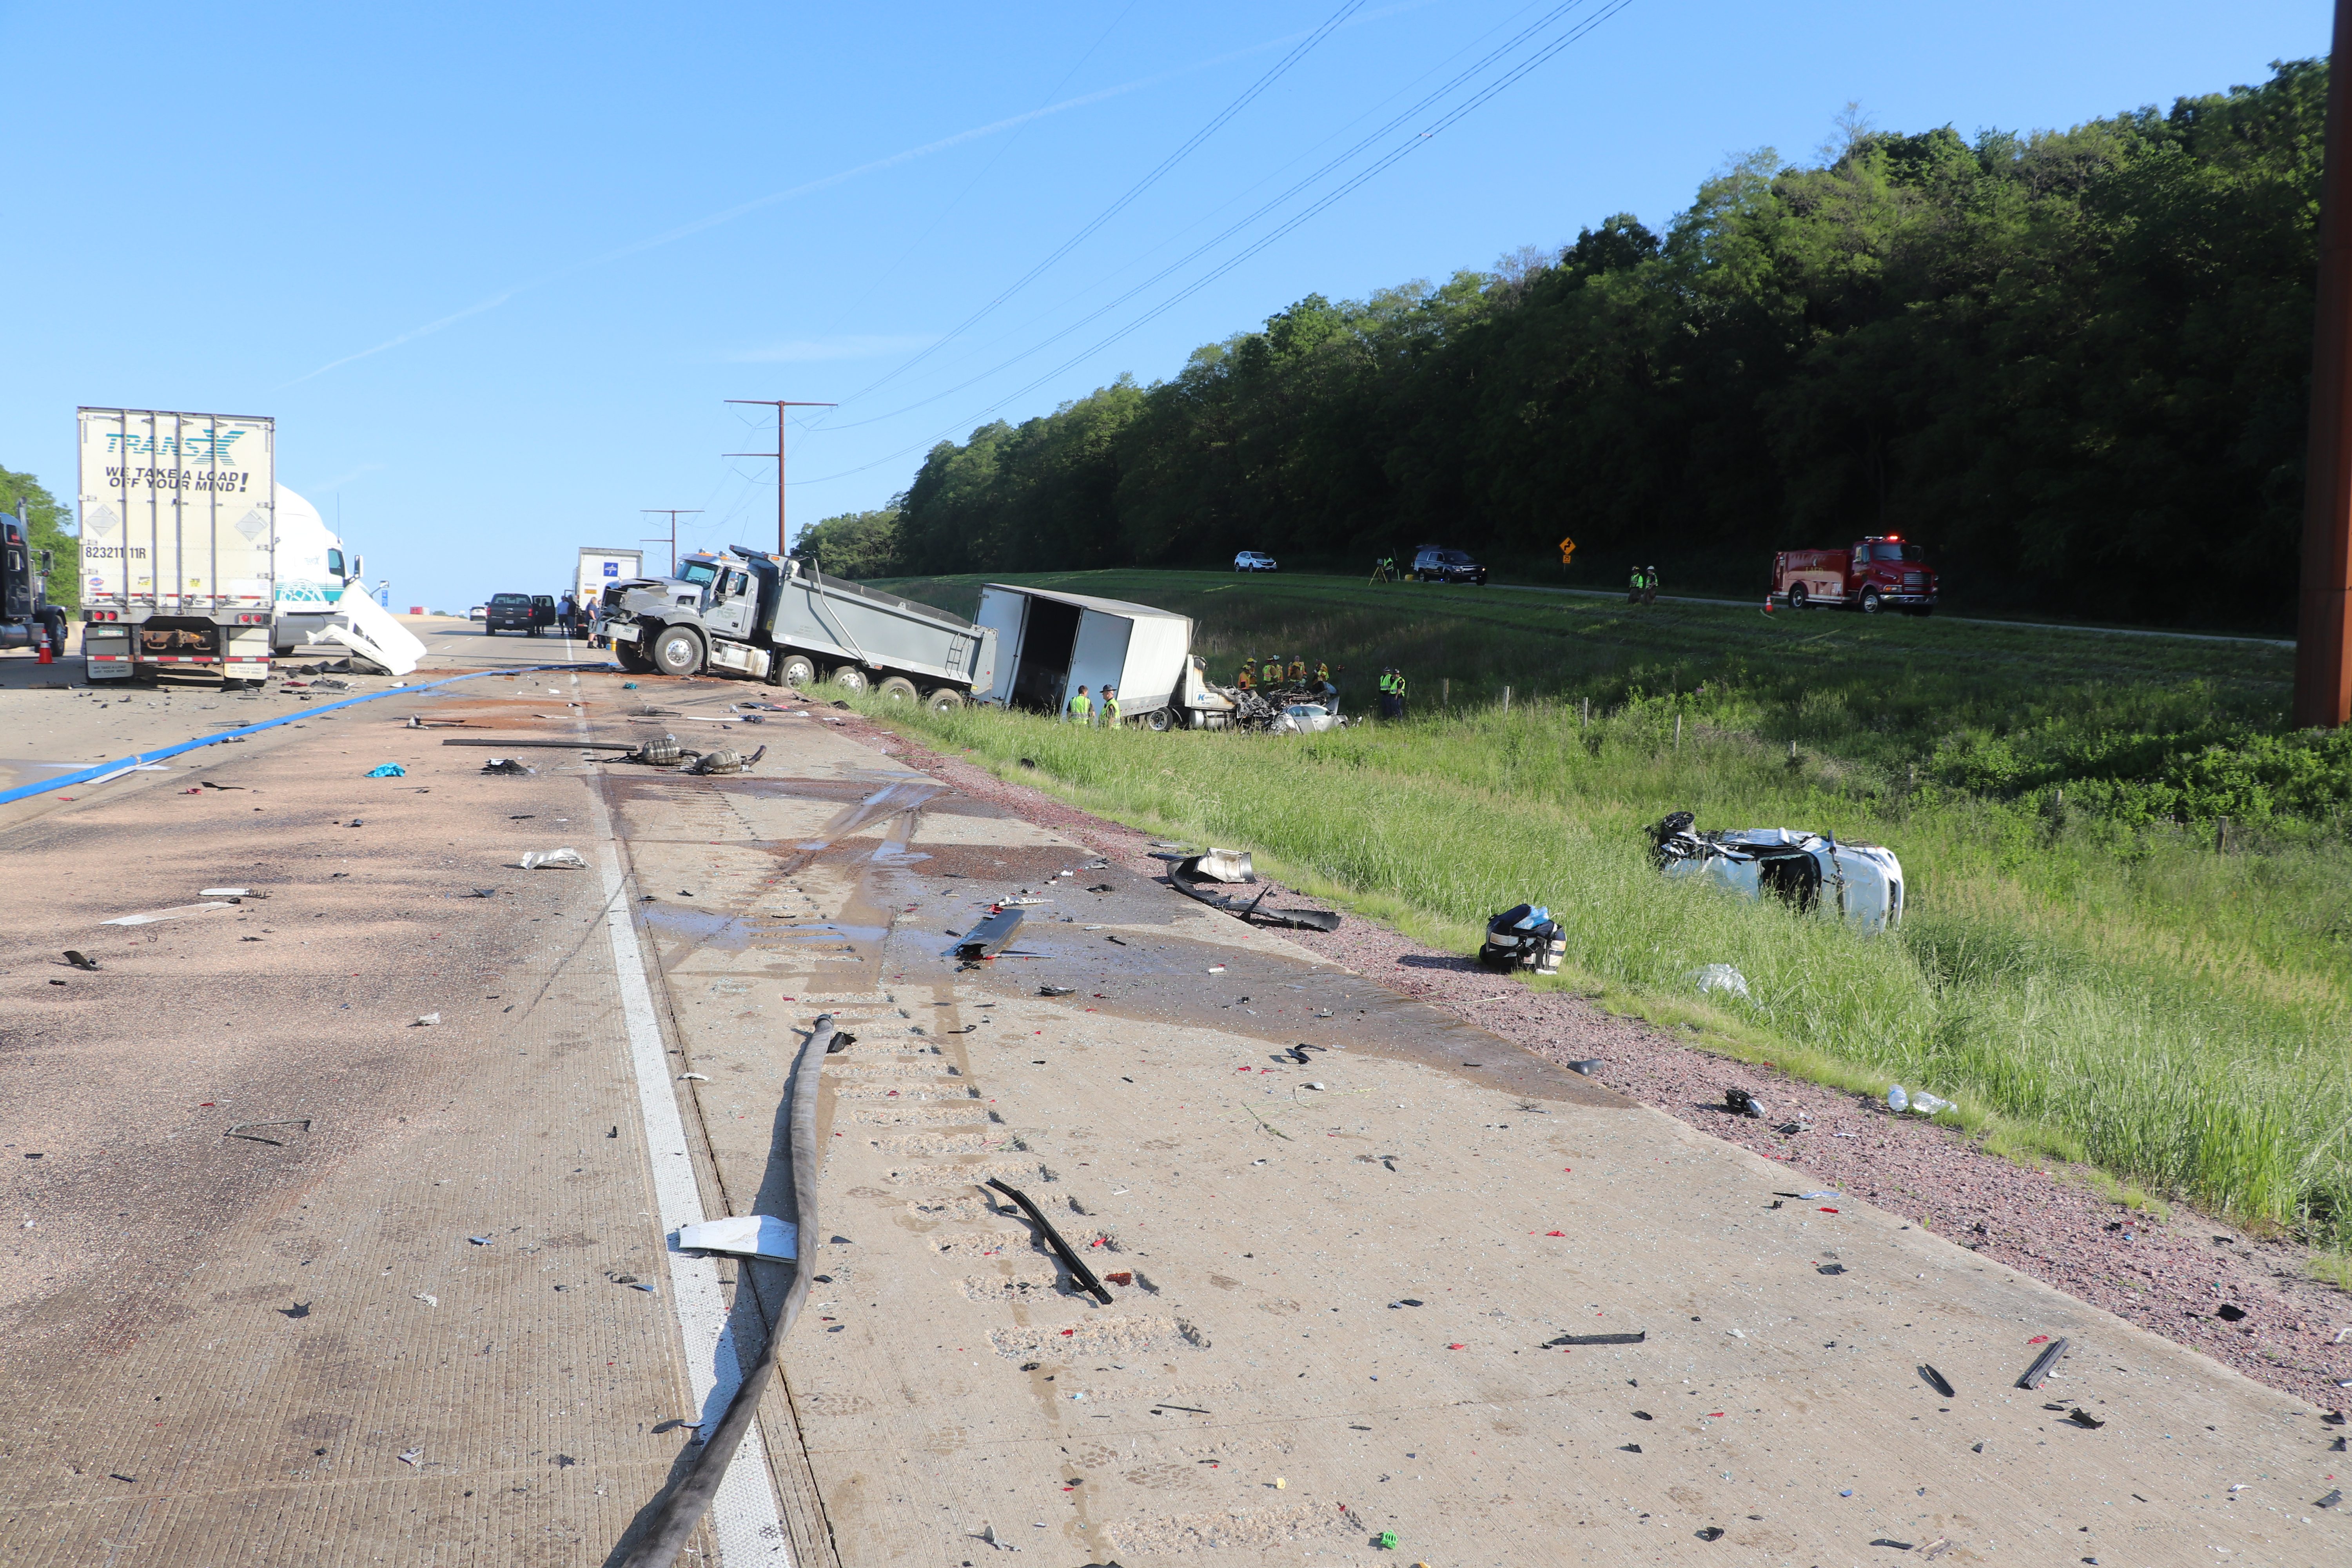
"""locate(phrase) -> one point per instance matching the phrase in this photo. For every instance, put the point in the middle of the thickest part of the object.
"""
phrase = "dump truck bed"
(834, 619)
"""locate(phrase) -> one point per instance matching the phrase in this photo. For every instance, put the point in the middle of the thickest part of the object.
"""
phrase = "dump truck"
(178, 519)
(1051, 643)
(780, 619)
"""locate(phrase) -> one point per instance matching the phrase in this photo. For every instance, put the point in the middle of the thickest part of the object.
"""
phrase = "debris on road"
(1080, 1274)
(2036, 1375)
(724, 762)
(1057, 991)
(1937, 1381)
(426, 1020)
(2084, 1419)
(1588, 1067)
(428, 1300)
(1739, 1102)
(412, 1457)
(553, 860)
(1861, 884)
(239, 1130)
(1922, 1102)
(79, 960)
(1192, 875)
(990, 937)
(388, 771)
(154, 917)
(513, 767)
(747, 1235)
(1639, 1337)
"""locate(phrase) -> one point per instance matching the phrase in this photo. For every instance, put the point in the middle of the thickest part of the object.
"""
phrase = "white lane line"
(744, 1519)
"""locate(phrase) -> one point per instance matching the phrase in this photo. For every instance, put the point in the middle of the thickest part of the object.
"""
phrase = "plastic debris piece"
(479, 1240)
(79, 960)
(1712, 1532)
(1713, 978)
(2330, 1500)
(2228, 1314)
(426, 1019)
(412, 1457)
(229, 894)
(1830, 1269)
(1937, 1381)
(388, 771)
(153, 916)
(511, 765)
(1386, 1541)
(1588, 1067)
(2036, 1375)
(694, 1077)
(748, 1236)
(2084, 1419)
(553, 860)
(641, 1285)
(1896, 1099)
(1057, 991)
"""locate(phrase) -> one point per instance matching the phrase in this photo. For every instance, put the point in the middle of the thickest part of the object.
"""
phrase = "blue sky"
(494, 269)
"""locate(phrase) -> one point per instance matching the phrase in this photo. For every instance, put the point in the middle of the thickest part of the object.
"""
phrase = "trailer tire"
(898, 688)
(849, 678)
(798, 669)
(1871, 604)
(1159, 721)
(946, 699)
(677, 650)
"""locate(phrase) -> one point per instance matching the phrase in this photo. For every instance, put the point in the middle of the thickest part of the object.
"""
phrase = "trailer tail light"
(99, 615)
(253, 620)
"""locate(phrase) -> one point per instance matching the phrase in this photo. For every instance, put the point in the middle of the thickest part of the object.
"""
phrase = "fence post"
(1585, 721)
(1678, 732)
(2222, 835)
(1507, 700)
(1446, 691)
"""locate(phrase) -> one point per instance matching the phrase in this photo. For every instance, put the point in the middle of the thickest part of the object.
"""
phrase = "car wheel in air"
(678, 651)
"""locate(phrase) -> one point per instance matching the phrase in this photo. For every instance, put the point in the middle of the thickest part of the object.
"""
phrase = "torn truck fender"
(1191, 878)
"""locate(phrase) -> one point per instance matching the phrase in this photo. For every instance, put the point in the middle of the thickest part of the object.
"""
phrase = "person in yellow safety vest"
(1111, 706)
(1298, 672)
(1082, 708)
(1396, 689)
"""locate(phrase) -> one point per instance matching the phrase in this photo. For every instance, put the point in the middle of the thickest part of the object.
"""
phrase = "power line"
(1418, 107)
(1509, 79)
(1191, 144)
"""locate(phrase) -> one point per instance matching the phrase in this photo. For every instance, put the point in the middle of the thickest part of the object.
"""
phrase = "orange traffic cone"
(47, 655)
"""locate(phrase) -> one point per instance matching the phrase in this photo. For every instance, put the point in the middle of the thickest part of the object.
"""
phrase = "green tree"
(853, 543)
(52, 531)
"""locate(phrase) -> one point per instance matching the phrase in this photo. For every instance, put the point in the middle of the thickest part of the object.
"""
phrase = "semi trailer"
(1049, 644)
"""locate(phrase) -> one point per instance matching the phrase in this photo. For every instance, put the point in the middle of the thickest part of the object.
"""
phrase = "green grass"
(2088, 977)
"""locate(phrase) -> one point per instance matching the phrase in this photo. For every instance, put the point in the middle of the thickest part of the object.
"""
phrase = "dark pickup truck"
(518, 613)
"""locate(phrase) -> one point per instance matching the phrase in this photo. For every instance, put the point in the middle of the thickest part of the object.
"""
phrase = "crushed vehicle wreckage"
(1861, 884)
(1194, 876)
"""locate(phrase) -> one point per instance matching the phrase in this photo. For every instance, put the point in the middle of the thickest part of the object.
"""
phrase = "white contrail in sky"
(730, 214)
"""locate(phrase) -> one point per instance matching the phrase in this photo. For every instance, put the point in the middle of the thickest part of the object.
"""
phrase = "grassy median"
(2091, 965)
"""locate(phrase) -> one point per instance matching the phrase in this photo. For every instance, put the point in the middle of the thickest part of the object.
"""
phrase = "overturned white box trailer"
(1050, 643)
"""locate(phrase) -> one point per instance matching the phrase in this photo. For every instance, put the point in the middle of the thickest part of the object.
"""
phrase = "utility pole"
(784, 540)
(673, 513)
(2322, 647)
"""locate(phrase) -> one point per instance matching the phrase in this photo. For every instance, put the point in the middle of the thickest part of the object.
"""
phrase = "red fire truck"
(1881, 573)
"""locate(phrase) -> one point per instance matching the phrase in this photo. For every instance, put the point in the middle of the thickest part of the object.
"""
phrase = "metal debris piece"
(553, 860)
(79, 960)
(1739, 1102)
(2084, 1419)
(1588, 1067)
(1937, 1379)
(1192, 875)
(1080, 1274)
(238, 1130)
(2036, 1375)
(1632, 1339)
(510, 766)
(990, 937)
(1057, 991)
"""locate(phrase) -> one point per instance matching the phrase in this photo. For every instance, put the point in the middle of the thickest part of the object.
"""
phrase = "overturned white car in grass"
(1861, 884)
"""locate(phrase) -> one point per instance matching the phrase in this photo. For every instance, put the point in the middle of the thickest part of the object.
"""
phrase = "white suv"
(1253, 561)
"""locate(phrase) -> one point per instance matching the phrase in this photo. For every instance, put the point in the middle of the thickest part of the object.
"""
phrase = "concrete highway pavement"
(1346, 1292)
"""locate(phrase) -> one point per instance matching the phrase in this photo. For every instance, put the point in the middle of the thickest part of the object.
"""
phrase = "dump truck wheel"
(946, 699)
(899, 689)
(1159, 721)
(798, 670)
(849, 678)
(677, 650)
(626, 654)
